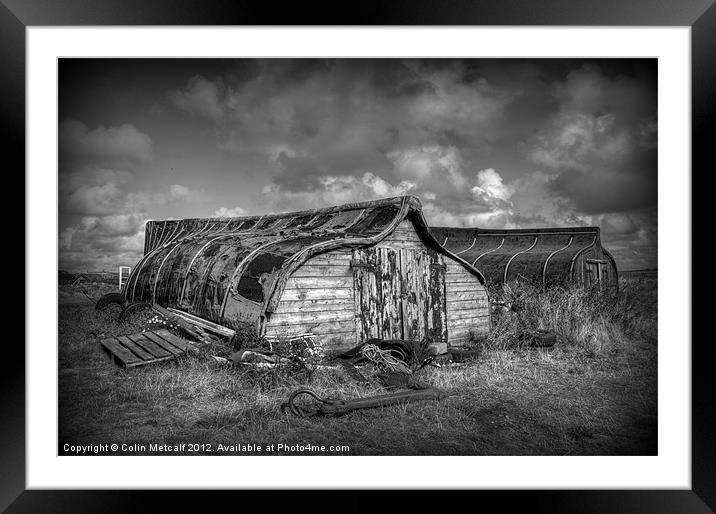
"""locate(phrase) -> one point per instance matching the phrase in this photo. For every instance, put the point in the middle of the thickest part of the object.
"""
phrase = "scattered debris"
(220, 361)
(437, 349)
(197, 333)
(203, 324)
(397, 347)
(252, 356)
(383, 360)
(146, 348)
(335, 407)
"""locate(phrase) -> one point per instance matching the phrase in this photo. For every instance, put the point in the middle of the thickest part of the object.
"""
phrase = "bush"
(586, 318)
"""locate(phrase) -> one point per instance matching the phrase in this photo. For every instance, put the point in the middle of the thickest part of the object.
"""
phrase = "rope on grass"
(383, 359)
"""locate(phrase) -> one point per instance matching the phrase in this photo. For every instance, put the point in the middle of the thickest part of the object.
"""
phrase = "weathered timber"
(146, 348)
(307, 317)
(546, 256)
(121, 354)
(318, 294)
(323, 305)
(203, 324)
(135, 348)
(194, 331)
(155, 349)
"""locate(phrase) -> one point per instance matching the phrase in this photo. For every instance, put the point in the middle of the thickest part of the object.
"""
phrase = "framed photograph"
(416, 249)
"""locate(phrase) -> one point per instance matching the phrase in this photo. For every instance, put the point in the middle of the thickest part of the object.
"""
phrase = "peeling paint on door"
(400, 294)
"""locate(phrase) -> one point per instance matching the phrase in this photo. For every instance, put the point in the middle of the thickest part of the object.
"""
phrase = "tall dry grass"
(588, 319)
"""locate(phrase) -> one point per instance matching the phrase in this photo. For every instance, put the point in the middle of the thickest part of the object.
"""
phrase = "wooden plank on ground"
(135, 348)
(183, 324)
(139, 349)
(115, 349)
(150, 346)
(176, 341)
(203, 323)
(153, 337)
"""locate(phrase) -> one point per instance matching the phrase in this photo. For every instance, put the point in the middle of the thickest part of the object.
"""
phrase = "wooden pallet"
(145, 348)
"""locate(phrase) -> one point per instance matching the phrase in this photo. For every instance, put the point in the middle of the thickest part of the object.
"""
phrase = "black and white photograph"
(357, 256)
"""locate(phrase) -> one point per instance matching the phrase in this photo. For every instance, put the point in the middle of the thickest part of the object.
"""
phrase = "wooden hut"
(546, 256)
(343, 274)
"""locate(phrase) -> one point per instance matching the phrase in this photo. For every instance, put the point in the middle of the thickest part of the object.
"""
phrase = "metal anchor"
(333, 407)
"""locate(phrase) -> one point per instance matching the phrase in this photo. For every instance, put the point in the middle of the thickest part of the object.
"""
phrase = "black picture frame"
(700, 15)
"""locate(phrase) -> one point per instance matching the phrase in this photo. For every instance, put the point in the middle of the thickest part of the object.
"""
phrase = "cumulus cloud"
(335, 190)
(102, 243)
(234, 212)
(490, 187)
(110, 230)
(111, 146)
(101, 199)
(111, 227)
(201, 97)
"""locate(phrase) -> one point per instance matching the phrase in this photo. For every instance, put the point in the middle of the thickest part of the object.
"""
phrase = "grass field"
(593, 393)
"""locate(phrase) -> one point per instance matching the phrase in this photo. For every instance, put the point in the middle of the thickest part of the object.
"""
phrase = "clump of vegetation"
(245, 337)
(588, 319)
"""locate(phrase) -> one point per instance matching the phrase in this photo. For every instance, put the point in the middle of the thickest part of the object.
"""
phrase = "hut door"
(423, 295)
(376, 278)
(597, 272)
(400, 294)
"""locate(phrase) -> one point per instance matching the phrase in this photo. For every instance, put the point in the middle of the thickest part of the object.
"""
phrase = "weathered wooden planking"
(314, 305)
(146, 348)
(321, 282)
(149, 345)
(203, 323)
(318, 294)
(162, 343)
(135, 348)
(468, 303)
(120, 353)
(313, 328)
(187, 327)
(312, 317)
(475, 294)
(180, 343)
(316, 270)
(476, 323)
(464, 288)
(405, 245)
(459, 278)
(330, 260)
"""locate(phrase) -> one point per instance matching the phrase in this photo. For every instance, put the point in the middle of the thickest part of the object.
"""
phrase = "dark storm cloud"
(601, 143)
(95, 167)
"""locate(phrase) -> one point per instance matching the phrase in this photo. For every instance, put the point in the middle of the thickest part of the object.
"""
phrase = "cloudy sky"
(494, 143)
